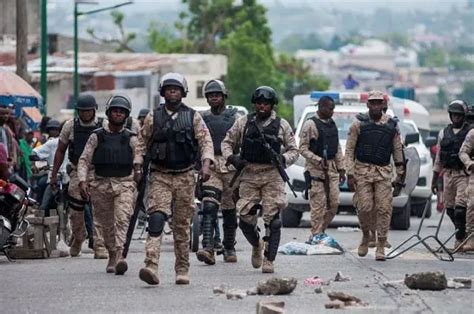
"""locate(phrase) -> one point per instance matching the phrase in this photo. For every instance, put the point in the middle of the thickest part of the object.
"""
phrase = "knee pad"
(275, 225)
(450, 213)
(211, 192)
(210, 208)
(156, 223)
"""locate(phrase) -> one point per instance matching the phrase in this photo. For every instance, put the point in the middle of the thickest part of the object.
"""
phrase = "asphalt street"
(81, 285)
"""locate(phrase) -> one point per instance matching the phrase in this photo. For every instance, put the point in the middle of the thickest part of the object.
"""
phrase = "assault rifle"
(275, 158)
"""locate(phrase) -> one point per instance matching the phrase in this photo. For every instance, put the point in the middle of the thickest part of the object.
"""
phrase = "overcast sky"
(356, 5)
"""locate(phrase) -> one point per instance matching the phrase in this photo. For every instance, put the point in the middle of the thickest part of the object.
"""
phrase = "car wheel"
(290, 218)
(401, 218)
(417, 209)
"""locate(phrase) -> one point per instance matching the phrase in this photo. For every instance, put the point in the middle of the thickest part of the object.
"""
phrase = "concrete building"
(134, 74)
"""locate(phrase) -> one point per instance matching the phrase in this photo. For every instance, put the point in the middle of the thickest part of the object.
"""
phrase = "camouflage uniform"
(77, 212)
(455, 184)
(373, 183)
(321, 215)
(261, 184)
(112, 197)
(465, 154)
(171, 192)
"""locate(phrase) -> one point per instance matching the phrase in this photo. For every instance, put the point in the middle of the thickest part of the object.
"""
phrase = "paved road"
(81, 284)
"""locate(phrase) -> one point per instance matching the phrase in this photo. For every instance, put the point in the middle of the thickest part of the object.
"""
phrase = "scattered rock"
(366, 285)
(341, 277)
(318, 290)
(252, 291)
(275, 286)
(393, 284)
(219, 290)
(316, 281)
(334, 305)
(341, 296)
(426, 281)
(266, 307)
(459, 283)
(236, 294)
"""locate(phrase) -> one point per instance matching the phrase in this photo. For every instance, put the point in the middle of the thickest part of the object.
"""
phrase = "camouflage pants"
(374, 202)
(218, 185)
(112, 209)
(321, 215)
(265, 188)
(172, 194)
(455, 185)
(78, 227)
(470, 205)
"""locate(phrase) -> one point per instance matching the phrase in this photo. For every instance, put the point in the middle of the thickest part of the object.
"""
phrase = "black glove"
(237, 162)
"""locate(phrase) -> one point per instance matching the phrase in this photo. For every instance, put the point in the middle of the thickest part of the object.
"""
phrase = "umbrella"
(14, 90)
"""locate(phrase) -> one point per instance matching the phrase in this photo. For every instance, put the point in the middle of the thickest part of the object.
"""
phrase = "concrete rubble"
(426, 281)
(276, 286)
(270, 307)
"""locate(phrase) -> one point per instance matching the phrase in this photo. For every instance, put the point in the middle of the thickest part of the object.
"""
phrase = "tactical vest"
(174, 145)
(252, 145)
(113, 156)
(219, 125)
(80, 136)
(327, 141)
(450, 146)
(375, 142)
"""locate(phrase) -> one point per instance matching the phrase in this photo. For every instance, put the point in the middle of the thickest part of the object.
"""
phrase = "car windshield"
(343, 122)
(406, 128)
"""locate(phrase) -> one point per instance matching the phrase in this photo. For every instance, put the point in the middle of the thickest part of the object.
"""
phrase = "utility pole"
(44, 52)
(22, 40)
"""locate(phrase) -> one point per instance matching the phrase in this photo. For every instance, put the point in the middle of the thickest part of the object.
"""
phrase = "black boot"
(209, 215)
(230, 226)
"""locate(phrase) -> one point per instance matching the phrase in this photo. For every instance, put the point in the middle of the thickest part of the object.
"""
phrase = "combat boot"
(76, 247)
(182, 279)
(230, 256)
(207, 256)
(267, 267)
(112, 262)
(149, 274)
(364, 245)
(372, 239)
(121, 267)
(380, 250)
(101, 253)
(257, 254)
(469, 245)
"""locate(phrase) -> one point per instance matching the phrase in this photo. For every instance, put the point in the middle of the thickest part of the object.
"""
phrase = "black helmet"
(86, 102)
(173, 79)
(458, 106)
(266, 93)
(53, 124)
(119, 101)
(215, 86)
(143, 113)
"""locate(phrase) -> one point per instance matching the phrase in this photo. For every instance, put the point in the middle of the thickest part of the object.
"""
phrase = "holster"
(307, 180)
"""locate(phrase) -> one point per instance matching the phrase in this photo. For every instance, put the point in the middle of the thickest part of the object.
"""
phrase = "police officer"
(373, 138)
(465, 154)
(217, 192)
(172, 135)
(319, 145)
(455, 179)
(110, 151)
(260, 181)
(73, 136)
(141, 115)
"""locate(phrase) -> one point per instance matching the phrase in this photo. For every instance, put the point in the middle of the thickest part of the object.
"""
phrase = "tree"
(161, 39)
(250, 65)
(293, 42)
(442, 98)
(433, 57)
(396, 39)
(468, 92)
(125, 38)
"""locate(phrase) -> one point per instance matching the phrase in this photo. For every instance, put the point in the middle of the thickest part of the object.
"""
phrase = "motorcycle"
(14, 204)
